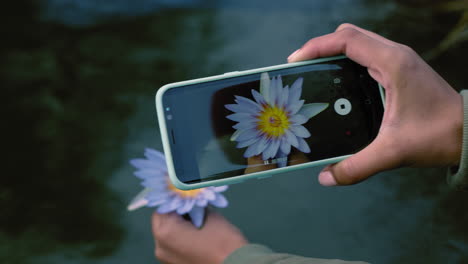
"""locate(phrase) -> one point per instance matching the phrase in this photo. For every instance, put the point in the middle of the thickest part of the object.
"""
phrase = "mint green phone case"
(240, 178)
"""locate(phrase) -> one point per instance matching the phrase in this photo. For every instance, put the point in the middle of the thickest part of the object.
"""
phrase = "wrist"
(229, 248)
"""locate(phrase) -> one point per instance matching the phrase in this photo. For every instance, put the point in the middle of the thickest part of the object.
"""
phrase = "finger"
(157, 222)
(368, 33)
(165, 224)
(378, 156)
(358, 46)
(212, 217)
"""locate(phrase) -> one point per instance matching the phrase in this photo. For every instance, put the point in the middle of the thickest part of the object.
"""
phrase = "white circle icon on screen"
(343, 106)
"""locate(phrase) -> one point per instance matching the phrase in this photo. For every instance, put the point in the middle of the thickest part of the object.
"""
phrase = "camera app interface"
(271, 119)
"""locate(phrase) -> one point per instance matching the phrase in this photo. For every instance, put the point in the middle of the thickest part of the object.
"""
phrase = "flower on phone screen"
(273, 122)
(160, 192)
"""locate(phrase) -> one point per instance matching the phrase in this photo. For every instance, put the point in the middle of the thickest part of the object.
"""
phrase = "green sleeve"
(458, 176)
(258, 254)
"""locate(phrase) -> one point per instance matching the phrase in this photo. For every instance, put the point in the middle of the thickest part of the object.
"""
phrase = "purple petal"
(283, 159)
(271, 150)
(235, 135)
(153, 173)
(295, 91)
(256, 148)
(276, 89)
(247, 103)
(279, 89)
(154, 155)
(291, 138)
(239, 117)
(208, 194)
(154, 203)
(155, 199)
(170, 205)
(242, 108)
(285, 146)
(202, 202)
(197, 215)
(246, 143)
(279, 84)
(148, 164)
(234, 108)
(300, 131)
(247, 134)
(139, 200)
(220, 201)
(246, 125)
(261, 146)
(265, 84)
(250, 151)
(303, 146)
(294, 108)
(153, 183)
(158, 193)
(272, 99)
(282, 163)
(258, 97)
(284, 96)
(298, 119)
(220, 188)
(311, 110)
(186, 206)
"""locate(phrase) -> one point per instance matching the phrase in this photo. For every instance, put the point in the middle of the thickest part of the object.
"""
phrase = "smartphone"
(253, 124)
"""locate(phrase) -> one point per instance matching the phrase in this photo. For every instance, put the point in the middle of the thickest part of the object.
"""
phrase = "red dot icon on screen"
(348, 133)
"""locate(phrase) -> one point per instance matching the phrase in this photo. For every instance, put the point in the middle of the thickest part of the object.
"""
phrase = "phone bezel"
(234, 179)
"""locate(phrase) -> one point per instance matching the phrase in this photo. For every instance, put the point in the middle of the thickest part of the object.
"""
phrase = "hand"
(423, 119)
(179, 242)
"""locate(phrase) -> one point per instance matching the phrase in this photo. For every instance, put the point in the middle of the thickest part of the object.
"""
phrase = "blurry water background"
(78, 79)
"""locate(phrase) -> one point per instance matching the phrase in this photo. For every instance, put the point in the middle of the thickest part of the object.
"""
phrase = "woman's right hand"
(423, 120)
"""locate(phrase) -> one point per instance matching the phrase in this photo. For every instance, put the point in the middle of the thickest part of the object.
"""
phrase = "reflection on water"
(441, 236)
(89, 12)
(79, 103)
(67, 94)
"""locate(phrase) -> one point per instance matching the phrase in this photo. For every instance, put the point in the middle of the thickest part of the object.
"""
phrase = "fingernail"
(293, 54)
(327, 179)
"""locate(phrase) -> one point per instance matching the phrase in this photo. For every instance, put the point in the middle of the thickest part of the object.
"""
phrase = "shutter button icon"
(343, 106)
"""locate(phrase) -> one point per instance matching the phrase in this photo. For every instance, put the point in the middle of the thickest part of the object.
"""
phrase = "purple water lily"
(272, 123)
(159, 191)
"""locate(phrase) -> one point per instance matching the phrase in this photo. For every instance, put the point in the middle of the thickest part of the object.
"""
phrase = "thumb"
(378, 156)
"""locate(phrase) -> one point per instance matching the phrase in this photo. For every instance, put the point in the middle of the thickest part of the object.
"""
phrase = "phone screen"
(239, 125)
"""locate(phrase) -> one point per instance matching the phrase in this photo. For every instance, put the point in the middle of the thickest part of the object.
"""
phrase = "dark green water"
(78, 103)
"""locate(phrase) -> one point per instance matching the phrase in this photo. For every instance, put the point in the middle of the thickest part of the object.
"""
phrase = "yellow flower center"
(273, 121)
(182, 193)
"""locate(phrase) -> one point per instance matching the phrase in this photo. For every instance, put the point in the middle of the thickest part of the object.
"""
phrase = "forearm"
(258, 254)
